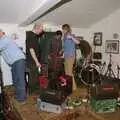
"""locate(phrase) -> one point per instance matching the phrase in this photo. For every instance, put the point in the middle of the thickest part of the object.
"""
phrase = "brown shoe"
(22, 102)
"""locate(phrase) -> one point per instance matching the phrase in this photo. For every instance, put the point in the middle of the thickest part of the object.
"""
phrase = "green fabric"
(103, 106)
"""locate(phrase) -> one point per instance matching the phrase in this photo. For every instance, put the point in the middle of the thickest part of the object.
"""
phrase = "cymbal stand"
(109, 72)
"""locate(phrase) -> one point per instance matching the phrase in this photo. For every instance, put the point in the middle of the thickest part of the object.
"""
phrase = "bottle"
(39, 70)
(38, 104)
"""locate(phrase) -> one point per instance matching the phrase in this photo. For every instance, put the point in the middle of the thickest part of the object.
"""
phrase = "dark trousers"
(33, 83)
(18, 76)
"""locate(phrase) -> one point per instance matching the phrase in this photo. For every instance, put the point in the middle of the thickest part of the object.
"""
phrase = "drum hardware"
(118, 71)
(90, 74)
(97, 62)
(109, 72)
(86, 71)
(102, 68)
(103, 65)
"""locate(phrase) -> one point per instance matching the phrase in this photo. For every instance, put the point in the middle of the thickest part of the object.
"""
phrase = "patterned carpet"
(28, 111)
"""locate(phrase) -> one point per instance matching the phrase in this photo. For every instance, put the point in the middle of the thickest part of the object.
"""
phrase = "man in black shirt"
(32, 55)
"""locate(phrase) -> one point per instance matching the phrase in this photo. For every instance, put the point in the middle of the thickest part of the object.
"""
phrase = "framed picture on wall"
(112, 46)
(97, 41)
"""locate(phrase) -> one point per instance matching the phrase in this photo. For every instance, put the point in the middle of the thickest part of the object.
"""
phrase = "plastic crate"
(103, 106)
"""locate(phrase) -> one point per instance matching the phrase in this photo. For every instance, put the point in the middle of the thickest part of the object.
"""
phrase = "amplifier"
(53, 97)
(104, 92)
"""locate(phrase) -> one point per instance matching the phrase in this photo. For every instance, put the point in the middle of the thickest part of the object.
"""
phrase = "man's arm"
(4, 43)
(30, 47)
(75, 40)
(33, 54)
(60, 48)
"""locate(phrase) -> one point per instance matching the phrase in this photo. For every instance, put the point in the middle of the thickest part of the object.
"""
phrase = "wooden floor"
(29, 111)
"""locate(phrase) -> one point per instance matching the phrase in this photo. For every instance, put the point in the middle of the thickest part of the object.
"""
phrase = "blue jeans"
(18, 76)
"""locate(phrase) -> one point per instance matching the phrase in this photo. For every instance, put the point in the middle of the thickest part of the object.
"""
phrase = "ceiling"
(81, 13)
(14, 11)
(17, 11)
(10, 10)
(77, 13)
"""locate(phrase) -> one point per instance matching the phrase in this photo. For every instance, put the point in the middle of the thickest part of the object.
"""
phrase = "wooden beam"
(62, 2)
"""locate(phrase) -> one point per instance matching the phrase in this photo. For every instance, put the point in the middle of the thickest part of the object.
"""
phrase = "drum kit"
(90, 74)
(84, 69)
(87, 72)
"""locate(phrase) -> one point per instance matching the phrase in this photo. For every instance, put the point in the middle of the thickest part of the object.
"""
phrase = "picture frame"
(97, 41)
(112, 46)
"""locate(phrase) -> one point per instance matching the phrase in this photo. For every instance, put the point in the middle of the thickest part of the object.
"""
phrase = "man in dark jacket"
(32, 55)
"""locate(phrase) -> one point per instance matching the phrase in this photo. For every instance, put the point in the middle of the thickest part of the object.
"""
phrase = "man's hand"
(38, 64)
(49, 57)
(33, 54)
(69, 37)
(73, 38)
(61, 53)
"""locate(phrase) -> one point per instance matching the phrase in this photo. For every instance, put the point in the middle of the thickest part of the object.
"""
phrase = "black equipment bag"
(53, 97)
(65, 84)
(104, 92)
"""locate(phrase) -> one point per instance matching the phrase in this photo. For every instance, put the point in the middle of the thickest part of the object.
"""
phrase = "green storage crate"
(103, 106)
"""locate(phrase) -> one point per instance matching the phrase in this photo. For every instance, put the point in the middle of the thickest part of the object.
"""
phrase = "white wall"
(109, 25)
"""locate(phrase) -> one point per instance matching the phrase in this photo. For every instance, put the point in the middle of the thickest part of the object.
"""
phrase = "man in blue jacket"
(15, 58)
